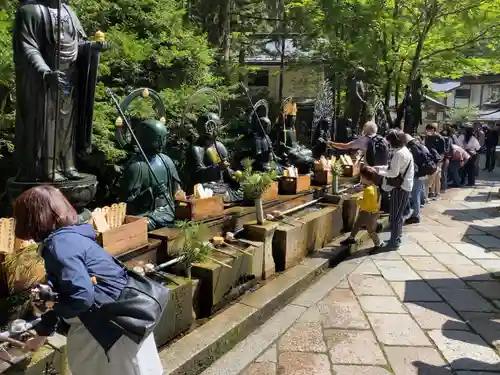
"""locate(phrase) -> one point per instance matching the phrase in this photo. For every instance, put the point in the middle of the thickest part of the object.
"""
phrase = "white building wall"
(297, 82)
(479, 94)
(475, 95)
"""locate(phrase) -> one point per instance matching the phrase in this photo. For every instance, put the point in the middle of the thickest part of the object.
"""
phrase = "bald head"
(370, 128)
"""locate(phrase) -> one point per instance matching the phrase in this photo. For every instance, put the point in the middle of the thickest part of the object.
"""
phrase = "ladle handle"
(219, 262)
(238, 249)
(11, 341)
(225, 253)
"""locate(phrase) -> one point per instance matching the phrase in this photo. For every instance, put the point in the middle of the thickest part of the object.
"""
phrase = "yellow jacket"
(368, 199)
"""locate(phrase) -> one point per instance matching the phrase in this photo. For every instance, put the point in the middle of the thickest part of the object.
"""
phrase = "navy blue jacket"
(71, 256)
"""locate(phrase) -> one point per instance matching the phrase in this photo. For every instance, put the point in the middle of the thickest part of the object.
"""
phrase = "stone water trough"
(209, 287)
(298, 233)
(303, 232)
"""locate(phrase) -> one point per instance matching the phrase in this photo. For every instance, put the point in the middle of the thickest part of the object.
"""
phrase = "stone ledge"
(199, 349)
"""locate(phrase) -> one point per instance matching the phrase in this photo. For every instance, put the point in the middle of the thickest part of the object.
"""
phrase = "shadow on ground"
(472, 311)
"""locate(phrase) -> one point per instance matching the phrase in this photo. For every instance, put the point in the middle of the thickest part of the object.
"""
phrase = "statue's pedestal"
(79, 192)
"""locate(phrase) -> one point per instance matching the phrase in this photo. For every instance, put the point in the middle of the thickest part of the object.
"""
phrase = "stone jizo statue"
(260, 127)
(146, 195)
(209, 160)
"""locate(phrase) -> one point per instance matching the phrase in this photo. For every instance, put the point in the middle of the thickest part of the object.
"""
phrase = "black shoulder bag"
(138, 308)
(398, 180)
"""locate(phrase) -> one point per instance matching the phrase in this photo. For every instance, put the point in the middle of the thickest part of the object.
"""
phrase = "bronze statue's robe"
(35, 44)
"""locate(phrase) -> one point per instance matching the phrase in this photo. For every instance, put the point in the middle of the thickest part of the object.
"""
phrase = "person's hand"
(371, 169)
(35, 343)
(55, 78)
(223, 164)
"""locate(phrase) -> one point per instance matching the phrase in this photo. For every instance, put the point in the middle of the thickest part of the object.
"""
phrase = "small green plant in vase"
(337, 171)
(254, 184)
(194, 246)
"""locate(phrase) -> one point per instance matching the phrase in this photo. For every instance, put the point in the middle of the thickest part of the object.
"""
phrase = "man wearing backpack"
(436, 144)
(374, 146)
(425, 166)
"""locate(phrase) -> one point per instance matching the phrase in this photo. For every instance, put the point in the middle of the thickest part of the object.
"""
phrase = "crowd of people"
(401, 173)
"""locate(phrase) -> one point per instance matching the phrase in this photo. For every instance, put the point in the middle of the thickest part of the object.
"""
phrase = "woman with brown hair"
(73, 261)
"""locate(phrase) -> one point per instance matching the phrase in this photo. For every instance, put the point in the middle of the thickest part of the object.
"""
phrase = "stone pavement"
(431, 308)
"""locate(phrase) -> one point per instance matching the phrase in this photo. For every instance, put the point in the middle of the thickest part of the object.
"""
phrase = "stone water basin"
(303, 232)
(211, 283)
(178, 317)
(217, 281)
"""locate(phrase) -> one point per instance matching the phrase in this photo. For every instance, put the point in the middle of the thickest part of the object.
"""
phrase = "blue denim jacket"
(71, 256)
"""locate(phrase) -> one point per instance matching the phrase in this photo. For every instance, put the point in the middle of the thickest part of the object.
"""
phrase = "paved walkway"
(431, 308)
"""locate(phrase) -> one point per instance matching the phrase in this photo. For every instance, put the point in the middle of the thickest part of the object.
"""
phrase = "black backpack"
(424, 159)
(435, 155)
(377, 152)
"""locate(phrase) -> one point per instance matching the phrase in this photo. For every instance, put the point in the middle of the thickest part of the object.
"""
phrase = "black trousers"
(490, 158)
(444, 174)
(399, 202)
(470, 170)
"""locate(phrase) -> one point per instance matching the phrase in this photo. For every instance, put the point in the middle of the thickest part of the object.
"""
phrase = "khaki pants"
(368, 220)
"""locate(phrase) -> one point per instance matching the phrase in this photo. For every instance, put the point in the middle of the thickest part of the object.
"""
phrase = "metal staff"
(258, 119)
(143, 154)
(58, 96)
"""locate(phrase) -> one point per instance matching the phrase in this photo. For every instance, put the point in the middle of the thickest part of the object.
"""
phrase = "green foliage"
(194, 248)
(151, 46)
(462, 114)
(255, 183)
(395, 39)
(6, 83)
(337, 167)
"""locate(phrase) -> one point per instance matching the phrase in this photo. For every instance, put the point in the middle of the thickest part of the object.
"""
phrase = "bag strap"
(406, 170)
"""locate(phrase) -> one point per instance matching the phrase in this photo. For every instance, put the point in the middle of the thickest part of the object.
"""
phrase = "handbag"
(138, 308)
(398, 180)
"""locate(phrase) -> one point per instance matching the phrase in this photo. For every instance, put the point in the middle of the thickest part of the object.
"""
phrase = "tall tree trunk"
(398, 84)
(337, 89)
(283, 29)
(332, 78)
(387, 99)
(431, 14)
(226, 36)
(241, 62)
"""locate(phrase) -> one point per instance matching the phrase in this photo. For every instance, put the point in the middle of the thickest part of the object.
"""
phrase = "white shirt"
(401, 164)
(471, 146)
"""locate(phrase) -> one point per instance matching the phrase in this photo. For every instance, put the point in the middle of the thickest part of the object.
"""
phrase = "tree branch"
(461, 10)
(480, 37)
